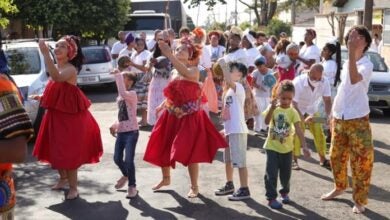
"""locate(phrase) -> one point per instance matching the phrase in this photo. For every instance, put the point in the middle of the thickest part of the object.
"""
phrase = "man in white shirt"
(310, 88)
(351, 130)
(118, 46)
(216, 51)
(309, 54)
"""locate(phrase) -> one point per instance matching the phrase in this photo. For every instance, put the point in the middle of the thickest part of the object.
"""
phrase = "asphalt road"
(99, 200)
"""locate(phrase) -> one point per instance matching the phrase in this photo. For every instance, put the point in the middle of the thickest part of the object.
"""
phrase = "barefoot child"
(284, 121)
(236, 130)
(126, 130)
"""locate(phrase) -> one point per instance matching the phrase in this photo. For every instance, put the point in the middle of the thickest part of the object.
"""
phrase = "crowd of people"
(252, 81)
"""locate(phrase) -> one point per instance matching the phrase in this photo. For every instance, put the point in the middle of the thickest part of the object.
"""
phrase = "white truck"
(149, 15)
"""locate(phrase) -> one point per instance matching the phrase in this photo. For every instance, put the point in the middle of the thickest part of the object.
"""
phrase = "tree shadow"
(208, 209)
(148, 211)
(80, 209)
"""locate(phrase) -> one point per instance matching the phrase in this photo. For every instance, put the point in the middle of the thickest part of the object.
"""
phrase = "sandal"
(194, 192)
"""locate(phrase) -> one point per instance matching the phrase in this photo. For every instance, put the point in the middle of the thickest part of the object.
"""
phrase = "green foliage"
(311, 4)
(276, 26)
(244, 25)
(94, 19)
(216, 26)
(209, 3)
(6, 7)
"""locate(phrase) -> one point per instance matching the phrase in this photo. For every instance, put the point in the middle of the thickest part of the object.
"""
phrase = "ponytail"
(77, 61)
(338, 62)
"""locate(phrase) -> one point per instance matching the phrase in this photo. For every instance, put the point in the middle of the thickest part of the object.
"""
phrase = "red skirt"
(67, 141)
(190, 139)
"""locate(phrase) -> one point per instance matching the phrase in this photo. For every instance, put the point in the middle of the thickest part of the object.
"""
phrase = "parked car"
(28, 69)
(379, 89)
(97, 66)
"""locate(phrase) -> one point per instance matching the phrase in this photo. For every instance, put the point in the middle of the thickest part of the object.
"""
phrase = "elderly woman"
(183, 133)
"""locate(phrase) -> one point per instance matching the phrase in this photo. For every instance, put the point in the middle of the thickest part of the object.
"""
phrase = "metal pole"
(369, 4)
(235, 14)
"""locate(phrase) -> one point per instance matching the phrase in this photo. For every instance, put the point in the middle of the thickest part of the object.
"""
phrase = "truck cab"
(147, 21)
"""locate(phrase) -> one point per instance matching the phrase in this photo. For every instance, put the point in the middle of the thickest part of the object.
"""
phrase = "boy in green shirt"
(284, 121)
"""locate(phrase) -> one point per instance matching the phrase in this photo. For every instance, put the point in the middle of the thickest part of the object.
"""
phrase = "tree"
(6, 7)
(310, 4)
(276, 27)
(264, 10)
(93, 19)
(368, 6)
(209, 3)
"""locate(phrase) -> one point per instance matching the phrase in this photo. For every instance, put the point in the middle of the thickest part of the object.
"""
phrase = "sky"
(220, 12)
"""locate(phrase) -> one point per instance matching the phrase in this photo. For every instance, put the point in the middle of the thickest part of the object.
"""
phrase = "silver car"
(379, 90)
(97, 66)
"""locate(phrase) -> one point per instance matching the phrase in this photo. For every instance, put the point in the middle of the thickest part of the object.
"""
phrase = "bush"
(275, 27)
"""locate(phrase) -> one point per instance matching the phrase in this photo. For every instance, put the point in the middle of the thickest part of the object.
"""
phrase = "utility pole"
(367, 17)
(235, 14)
(293, 12)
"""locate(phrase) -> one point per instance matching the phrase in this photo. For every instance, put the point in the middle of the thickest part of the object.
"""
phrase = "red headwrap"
(72, 46)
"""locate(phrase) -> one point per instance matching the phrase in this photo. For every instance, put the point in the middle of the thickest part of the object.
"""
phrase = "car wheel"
(386, 112)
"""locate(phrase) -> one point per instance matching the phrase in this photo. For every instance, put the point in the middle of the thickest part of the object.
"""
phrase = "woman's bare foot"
(358, 209)
(72, 194)
(193, 193)
(332, 194)
(60, 184)
(164, 182)
(121, 182)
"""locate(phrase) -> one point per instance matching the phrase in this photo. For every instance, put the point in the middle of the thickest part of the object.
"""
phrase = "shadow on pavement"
(80, 209)
(265, 211)
(148, 211)
(308, 214)
(368, 213)
(191, 208)
(375, 193)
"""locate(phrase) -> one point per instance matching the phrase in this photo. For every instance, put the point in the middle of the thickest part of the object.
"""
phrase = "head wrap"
(236, 31)
(72, 46)
(250, 37)
(199, 32)
(129, 38)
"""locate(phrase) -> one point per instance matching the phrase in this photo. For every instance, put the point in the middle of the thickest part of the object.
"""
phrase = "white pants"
(262, 104)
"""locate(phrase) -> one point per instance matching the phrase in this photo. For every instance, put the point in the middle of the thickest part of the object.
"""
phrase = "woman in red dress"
(69, 136)
(183, 133)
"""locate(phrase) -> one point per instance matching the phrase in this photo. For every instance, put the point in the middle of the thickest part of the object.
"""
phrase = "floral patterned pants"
(352, 141)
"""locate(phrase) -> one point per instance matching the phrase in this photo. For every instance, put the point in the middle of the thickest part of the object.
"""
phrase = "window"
(23, 60)
(376, 59)
(145, 23)
(96, 55)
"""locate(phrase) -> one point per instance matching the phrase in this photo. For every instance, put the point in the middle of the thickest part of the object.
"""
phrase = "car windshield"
(145, 23)
(376, 59)
(96, 55)
(23, 60)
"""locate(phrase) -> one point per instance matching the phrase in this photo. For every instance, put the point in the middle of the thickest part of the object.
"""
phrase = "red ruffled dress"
(69, 135)
(183, 133)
